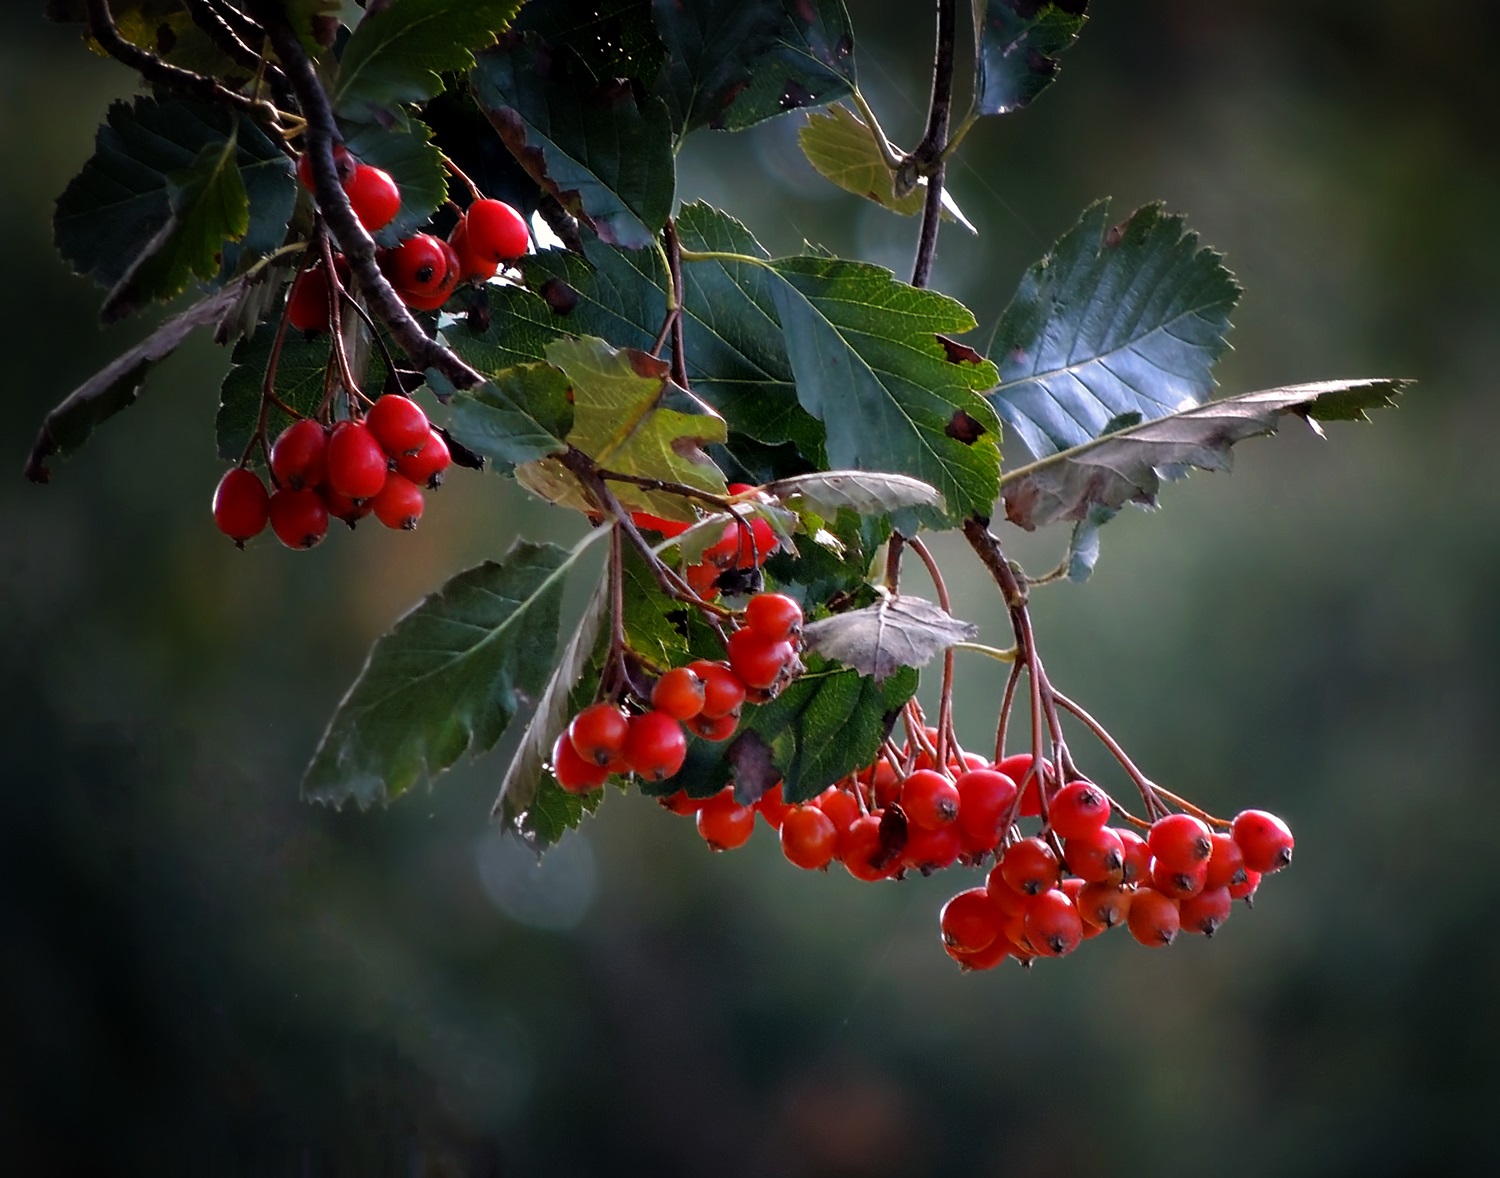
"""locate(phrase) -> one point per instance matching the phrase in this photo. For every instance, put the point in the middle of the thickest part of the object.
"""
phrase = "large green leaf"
(519, 416)
(1018, 44)
(1128, 319)
(733, 63)
(152, 162)
(605, 155)
(870, 364)
(398, 49)
(448, 678)
(414, 163)
(1127, 465)
(516, 328)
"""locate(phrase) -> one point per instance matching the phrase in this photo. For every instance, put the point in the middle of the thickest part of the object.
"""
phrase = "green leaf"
(1128, 319)
(866, 492)
(894, 632)
(397, 51)
(1127, 466)
(118, 384)
(734, 63)
(587, 140)
(515, 328)
(415, 164)
(617, 295)
(125, 196)
(448, 678)
(519, 416)
(870, 365)
(1019, 41)
(300, 377)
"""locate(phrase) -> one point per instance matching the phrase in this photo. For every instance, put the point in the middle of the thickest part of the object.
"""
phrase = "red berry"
(1227, 863)
(1154, 919)
(1245, 888)
(808, 837)
(344, 165)
(757, 662)
(1005, 897)
(679, 693)
(1030, 866)
(716, 729)
(985, 798)
(241, 504)
(702, 579)
(356, 463)
(774, 616)
(573, 773)
(996, 952)
(307, 302)
(771, 807)
(421, 267)
(1079, 808)
(472, 267)
(842, 808)
(970, 922)
(1136, 860)
(655, 745)
(426, 466)
(399, 425)
(1180, 841)
(1103, 905)
(1096, 856)
(374, 197)
(1179, 885)
(932, 850)
(496, 231)
(723, 693)
(680, 803)
(299, 457)
(299, 518)
(744, 546)
(344, 508)
(598, 732)
(885, 784)
(724, 823)
(929, 799)
(399, 503)
(861, 850)
(1016, 767)
(1053, 925)
(655, 523)
(1206, 911)
(1264, 839)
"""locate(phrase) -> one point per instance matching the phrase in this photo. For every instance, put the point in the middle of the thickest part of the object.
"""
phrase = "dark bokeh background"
(203, 975)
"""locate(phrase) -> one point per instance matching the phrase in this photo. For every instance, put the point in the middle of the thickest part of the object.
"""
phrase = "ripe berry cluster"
(730, 561)
(704, 696)
(378, 464)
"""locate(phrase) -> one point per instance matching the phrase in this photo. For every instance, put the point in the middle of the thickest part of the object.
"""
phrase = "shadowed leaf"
(1019, 41)
(893, 633)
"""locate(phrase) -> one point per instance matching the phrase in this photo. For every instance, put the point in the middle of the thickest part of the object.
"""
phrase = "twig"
(674, 271)
(928, 157)
(1148, 790)
(1006, 702)
(945, 697)
(215, 24)
(893, 550)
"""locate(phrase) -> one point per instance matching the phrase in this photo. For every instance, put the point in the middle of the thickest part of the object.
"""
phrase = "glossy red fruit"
(680, 803)
(930, 800)
(679, 693)
(299, 457)
(1154, 919)
(808, 837)
(344, 165)
(1180, 841)
(1136, 863)
(987, 958)
(299, 518)
(862, 853)
(598, 732)
(1206, 911)
(472, 267)
(1079, 808)
(399, 425)
(842, 808)
(1030, 866)
(723, 693)
(1179, 885)
(774, 616)
(1245, 889)
(341, 507)
(421, 268)
(242, 505)
(970, 922)
(655, 523)
(985, 797)
(1264, 839)
(1104, 905)
(1095, 857)
(572, 772)
(771, 806)
(1005, 897)
(496, 231)
(757, 662)
(426, 466)
(374, 197)
(931, 850)
(399, 503)
(1053, 925)
(1016, 767)
(655, 745)
(724, 824)
(356, 464)
(1227, 863)
(307, 303)
(743, 546)
(714, 728)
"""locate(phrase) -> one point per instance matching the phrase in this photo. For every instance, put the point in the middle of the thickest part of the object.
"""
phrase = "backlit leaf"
(893, 633)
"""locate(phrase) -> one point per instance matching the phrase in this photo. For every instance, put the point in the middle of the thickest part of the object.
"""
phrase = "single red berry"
(1095, 857)
(426, 466)
(1264, 839)
(969, 921)
(843, 810)
(1245, 889)
(724, 824)
(299, 518)
(985, 798)
(771, 806)
(1180, 841)
(1154, 919)
(496, 231)
(1227, 863)
(702, 579)
(1005, 897)
(1016, 767)
(299, 457)
(374, 197)
(808, 837)
(399, 425)
(757, 662)
(717, 728)
(655, 523)
(680, 803)
(862, 852)
(344, 165)
(743, 546)
(679, 693)
(1079, 808)
(307, 302)
(774, 616)
(723, 693)
(421, 267)
(1206, 911)
(356, 464)
(929, 799)
(572, 772)
(472, 267)
(242, 504)
(655, 745)
(1135, 857)
(1029, 865)
(1053, 925)
(399, 503)
(341, 507)
(932, 850)
(598, 732)
(1104, 905)
(1179, 885)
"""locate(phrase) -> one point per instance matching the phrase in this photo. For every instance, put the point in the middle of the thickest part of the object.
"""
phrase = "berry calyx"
(373, 196)
(399, 425)
(496, 231)
(598, 732)
(655, 746)
(299, 518)
(242, 505)
(1264, 839)
(970, 922)
(356, 463)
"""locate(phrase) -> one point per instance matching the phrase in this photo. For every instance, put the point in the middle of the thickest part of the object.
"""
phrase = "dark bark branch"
(216, 26)
(929, 153)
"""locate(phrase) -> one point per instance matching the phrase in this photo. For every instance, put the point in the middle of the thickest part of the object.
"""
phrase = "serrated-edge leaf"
(503, 417)
(895, 632)
(1017, 44)
(866, 492)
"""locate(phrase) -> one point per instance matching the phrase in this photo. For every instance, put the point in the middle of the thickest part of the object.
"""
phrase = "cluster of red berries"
(743, 547)
(704, 696)
(375, 465)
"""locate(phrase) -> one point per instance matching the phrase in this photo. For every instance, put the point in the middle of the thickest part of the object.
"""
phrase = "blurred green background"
(203, 975)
